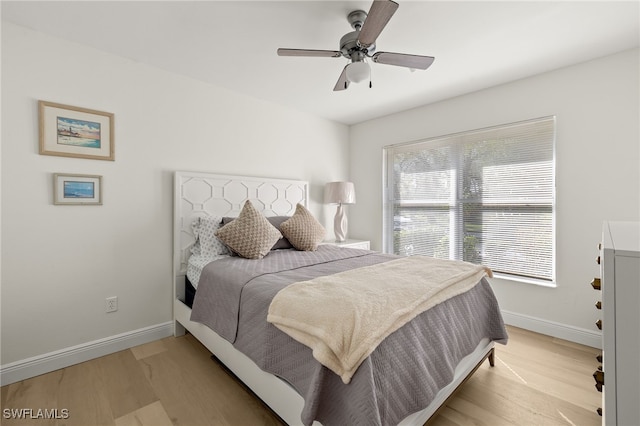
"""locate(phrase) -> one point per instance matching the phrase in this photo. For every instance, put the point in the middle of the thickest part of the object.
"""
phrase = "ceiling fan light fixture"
(358, 71)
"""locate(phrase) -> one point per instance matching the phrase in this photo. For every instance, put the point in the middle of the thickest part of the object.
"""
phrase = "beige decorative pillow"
(302, 230)
(250, 235)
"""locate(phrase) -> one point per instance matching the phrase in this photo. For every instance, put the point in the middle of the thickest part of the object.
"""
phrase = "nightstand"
(357, 244)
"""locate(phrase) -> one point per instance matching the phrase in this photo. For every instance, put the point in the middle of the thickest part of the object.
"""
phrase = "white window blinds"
(485, 196)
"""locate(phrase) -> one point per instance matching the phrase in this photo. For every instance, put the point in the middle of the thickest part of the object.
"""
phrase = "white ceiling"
(477, 44)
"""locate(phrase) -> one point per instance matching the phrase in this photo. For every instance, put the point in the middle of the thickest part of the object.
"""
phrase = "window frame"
(455, 202)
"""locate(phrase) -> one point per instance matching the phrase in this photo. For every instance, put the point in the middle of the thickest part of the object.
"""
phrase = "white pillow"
(207, 244)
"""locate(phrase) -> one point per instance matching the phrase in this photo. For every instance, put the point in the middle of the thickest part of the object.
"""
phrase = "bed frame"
(199, 194)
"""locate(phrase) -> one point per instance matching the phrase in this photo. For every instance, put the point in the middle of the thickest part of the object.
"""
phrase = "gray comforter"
(400, 377)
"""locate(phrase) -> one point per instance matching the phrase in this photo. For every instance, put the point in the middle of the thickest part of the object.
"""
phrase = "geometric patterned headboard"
(198, 194)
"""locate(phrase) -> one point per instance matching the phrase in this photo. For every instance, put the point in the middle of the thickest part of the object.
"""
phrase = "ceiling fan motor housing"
(349, 42)
(350, 48)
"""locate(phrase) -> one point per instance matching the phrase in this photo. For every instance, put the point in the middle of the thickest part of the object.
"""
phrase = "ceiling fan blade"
(310, 52)
(403, 60)
(377, 18)
(342, 82)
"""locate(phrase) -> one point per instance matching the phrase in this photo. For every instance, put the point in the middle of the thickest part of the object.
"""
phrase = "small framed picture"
(70, 131)
(77, 189)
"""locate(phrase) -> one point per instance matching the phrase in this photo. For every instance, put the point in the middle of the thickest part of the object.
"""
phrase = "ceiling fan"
(359, 45)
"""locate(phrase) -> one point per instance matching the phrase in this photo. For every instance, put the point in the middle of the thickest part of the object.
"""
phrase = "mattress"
(400, 377)
(189, 292)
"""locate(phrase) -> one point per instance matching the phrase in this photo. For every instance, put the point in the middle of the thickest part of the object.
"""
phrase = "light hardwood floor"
(537, 380)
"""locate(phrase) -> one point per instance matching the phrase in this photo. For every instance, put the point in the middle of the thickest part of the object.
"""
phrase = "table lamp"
(340, 193)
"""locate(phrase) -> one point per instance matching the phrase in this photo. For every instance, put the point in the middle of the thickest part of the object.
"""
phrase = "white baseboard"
(41, 364)
(554, 329)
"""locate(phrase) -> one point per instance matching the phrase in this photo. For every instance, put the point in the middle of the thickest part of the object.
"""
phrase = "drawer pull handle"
(598, 376)
(599, 324)
(595, 283)
(598, 305)
(598, 260)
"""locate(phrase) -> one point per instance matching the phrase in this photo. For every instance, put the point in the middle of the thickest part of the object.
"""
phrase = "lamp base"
(340, 224)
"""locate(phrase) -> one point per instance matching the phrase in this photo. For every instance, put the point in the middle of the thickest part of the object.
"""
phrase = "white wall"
(597, 165)
(59, 263)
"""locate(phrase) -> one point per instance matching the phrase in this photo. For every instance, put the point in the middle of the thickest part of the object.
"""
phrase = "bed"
(405, 378)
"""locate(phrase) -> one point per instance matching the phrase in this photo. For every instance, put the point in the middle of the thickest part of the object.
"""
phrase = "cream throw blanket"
(343, 317)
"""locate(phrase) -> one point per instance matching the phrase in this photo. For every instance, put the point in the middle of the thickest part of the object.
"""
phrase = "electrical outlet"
(112, 304)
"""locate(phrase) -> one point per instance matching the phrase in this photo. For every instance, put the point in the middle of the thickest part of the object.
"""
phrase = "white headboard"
(200, 194)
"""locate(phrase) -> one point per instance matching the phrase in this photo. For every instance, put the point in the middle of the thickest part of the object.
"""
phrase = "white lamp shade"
(340, 193)
(358, 71)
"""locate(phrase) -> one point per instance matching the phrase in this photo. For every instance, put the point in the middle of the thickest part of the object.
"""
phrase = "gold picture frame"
(70, 131)
(74, 189)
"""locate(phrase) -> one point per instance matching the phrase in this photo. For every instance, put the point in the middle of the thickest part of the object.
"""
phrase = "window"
(484, 196)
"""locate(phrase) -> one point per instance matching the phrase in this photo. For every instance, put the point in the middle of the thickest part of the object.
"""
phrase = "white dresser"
(620, 283)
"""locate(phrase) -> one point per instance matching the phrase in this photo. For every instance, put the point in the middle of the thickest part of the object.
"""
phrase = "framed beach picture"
(70, 131)
(77, 189)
